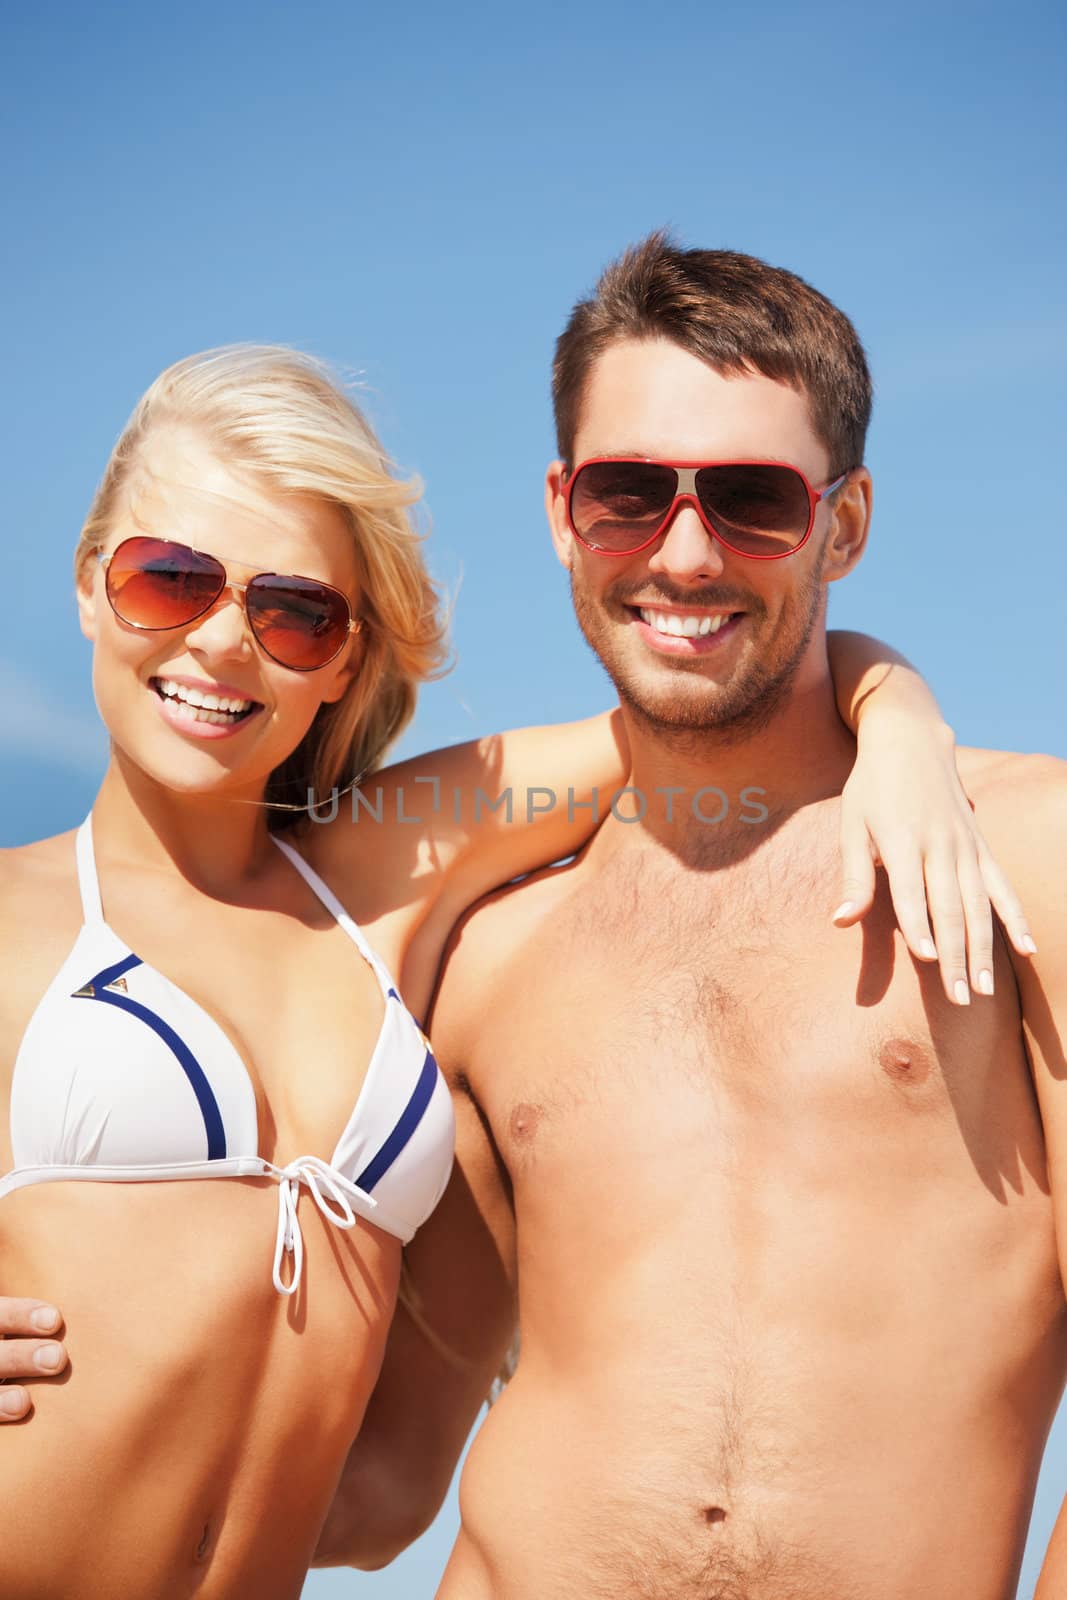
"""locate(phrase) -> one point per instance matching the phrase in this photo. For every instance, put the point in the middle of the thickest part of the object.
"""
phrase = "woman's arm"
(448, 827)
(438, 832)
(904, 808)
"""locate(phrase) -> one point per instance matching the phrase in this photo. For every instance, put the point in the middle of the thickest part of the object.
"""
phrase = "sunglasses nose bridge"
(229, 594)
(686, 494)
(687, 498)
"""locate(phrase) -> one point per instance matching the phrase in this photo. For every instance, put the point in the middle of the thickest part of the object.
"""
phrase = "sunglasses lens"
(301, 624)
(618, 505)
(756, 510)
(153, 583)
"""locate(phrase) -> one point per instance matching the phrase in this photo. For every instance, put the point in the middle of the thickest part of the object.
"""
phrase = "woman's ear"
(343, 675)
(86, 591)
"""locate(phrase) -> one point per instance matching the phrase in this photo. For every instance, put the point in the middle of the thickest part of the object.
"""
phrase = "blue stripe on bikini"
(209, 1106)
(407, 1122)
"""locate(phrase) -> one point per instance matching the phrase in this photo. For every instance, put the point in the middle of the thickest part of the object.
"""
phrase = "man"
(782, 1219)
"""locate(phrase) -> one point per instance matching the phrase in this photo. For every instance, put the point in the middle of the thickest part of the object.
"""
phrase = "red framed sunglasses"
(760, 509)
(156, 584)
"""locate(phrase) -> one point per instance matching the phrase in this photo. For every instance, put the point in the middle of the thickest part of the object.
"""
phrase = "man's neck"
(711, 793)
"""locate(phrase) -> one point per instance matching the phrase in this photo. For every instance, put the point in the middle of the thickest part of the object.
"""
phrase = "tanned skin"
(786, 1228)
(781, 1268)
(195, 1441)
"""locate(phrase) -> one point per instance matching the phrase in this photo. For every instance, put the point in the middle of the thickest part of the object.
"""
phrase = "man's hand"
(26, 1352)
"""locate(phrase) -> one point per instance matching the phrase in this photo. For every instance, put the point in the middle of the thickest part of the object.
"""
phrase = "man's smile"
(674, 630)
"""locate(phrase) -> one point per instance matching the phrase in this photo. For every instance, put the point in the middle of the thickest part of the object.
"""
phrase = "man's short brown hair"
(732, 311)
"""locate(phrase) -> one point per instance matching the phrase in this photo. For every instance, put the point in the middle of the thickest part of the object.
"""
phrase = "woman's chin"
(200, 773)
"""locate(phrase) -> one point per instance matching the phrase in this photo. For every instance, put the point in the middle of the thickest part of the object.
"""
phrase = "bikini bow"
(319, 1177)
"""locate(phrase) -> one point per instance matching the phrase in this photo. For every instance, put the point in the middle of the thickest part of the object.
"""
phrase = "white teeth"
(202, 707)
(671, 622)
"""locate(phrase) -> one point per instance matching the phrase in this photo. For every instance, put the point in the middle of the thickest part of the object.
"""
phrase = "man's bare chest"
(740, 1022)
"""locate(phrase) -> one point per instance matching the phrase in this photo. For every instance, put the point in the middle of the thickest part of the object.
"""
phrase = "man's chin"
(728, 695)
(690, 704)
(679, 713)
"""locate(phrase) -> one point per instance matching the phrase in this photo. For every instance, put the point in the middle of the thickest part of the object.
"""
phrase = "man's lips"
(686, 630)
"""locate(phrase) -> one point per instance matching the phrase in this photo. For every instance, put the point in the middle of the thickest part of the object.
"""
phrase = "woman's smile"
(204, 710)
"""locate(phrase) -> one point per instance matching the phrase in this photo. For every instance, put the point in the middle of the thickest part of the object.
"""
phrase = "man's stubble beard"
(732, 713)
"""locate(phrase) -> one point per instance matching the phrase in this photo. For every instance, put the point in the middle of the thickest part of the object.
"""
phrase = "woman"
(275, 1056)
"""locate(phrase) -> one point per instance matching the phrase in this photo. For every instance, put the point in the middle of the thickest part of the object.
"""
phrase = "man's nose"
(687, 552)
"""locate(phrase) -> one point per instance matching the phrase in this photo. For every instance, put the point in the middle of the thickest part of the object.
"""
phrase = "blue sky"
(419, 193)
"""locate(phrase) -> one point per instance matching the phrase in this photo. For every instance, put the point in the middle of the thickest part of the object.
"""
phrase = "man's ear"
(850, 509)
(85, 589)
(555, 508)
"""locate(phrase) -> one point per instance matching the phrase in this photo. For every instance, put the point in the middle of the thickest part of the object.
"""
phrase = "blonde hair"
(282, 415)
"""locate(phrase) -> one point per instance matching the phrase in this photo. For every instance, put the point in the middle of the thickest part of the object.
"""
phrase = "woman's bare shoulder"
(34, 881)
(40, 860)
(40, 912)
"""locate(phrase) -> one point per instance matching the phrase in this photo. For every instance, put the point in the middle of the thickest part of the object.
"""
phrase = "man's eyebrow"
(622, 453)
(644, 455)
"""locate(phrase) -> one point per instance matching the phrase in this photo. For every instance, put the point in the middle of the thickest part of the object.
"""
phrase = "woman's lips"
(181, 706)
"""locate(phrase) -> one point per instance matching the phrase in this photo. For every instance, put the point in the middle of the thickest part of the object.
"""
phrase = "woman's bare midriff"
(194, 1446)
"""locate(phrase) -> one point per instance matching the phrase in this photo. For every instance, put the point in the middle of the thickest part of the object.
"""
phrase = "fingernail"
(1028, 945)
(962, 993)
(12, 1402)
(45, 1319)
(985, 982)
(844, 910)
(49, 1357)
(928, 949)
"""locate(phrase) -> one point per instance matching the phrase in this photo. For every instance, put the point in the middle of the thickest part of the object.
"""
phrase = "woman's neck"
(217, 842)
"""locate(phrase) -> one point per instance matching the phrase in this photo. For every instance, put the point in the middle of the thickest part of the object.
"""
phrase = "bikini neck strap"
(88, 882)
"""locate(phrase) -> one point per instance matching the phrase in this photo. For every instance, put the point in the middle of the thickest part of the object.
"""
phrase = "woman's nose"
(223, 630)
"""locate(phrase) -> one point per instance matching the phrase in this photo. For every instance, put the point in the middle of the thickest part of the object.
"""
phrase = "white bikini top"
(121, 1076)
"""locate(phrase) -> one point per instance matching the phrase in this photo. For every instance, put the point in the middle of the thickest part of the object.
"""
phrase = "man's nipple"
(905, 1061)
(524, 1122)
